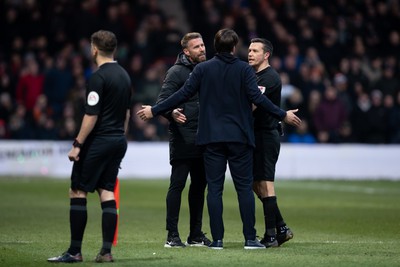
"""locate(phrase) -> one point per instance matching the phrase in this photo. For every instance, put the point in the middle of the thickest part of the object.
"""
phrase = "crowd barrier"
(150, 160)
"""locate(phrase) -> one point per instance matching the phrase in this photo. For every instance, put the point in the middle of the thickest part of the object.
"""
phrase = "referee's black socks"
(77, 222)
(269, 207)
(109, 223)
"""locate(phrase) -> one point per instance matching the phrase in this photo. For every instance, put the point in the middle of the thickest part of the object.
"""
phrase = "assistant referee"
(99, 147)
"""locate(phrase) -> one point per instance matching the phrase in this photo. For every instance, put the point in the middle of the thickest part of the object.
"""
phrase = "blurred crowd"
(339, 61)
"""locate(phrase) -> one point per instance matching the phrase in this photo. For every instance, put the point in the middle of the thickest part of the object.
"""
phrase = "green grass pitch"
(335, 223)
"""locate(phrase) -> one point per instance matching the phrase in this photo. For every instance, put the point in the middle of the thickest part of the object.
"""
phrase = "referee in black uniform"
(267, 130)
(99, 147)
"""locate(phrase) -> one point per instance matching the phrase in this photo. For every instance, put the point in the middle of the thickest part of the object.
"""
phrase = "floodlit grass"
(336, 223)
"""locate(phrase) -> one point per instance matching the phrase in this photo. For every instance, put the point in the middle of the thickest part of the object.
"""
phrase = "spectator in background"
(172, 36)
(30, 84)
(377, 119)
(359, 117)
(68, 127)
(312, 104)
(41, 109)
(346, 134)
(57, 84)
(373, 70)
(329, 117)
(388, 84)
(20, 128)
(356, 74)
(341, 85)
(316, 79)
(45, 128)
(6, 107)
(287, 88)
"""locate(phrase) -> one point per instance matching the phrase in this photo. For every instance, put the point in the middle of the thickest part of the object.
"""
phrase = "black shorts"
(99, 162)
(266, 155)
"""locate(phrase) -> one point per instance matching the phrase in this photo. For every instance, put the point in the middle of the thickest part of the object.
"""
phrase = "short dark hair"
(267, 45)
(225, 40)
(189, 36)
(105, 41)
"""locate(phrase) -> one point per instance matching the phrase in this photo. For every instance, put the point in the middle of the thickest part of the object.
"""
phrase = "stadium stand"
(349, 47)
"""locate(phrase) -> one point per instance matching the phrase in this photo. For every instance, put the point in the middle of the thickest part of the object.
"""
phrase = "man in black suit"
(227, 88)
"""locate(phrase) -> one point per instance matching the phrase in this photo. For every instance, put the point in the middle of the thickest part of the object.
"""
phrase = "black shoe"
(284, 234)
(174, 241)
(253, 244)
(104, 258)
(199, 241)
(217, 244)
(269, 242)
(66, 258)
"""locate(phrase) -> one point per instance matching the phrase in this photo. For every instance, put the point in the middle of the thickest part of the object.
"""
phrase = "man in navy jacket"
(227, 88)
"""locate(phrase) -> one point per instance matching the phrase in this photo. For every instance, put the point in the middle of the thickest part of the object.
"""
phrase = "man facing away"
(227, 88)
(99, 147)
(185, 156)
(267, 138)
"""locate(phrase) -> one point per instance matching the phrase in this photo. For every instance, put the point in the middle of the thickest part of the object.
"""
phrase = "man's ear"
(266, 55)
(186, 52)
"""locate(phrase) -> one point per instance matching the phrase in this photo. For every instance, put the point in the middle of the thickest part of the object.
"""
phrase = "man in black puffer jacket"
(185, 157)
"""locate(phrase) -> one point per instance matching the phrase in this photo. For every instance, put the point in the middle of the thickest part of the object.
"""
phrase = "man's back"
(109, 98)
(225, 110)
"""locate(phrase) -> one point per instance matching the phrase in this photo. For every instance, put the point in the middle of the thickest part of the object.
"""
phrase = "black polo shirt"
(108, 95)
(270, 84)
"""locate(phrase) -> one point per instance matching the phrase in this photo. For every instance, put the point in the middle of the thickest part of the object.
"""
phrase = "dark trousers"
(239, 157)
(180, 171)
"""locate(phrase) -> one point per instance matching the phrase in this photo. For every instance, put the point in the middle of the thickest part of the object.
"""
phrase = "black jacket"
(182, 136)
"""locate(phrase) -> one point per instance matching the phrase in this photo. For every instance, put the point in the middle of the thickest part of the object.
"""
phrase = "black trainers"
(217, 244)
(283, 234)
(66, 258)
(174, 241)
(253, 244)
(104, 258)
(269, 242)
(199, 241)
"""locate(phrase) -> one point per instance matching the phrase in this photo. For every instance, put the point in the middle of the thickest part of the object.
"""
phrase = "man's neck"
(261, 67)
(102, 60)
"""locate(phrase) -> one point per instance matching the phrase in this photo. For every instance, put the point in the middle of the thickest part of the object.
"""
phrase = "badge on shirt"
(262, 89)
(93, 98)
